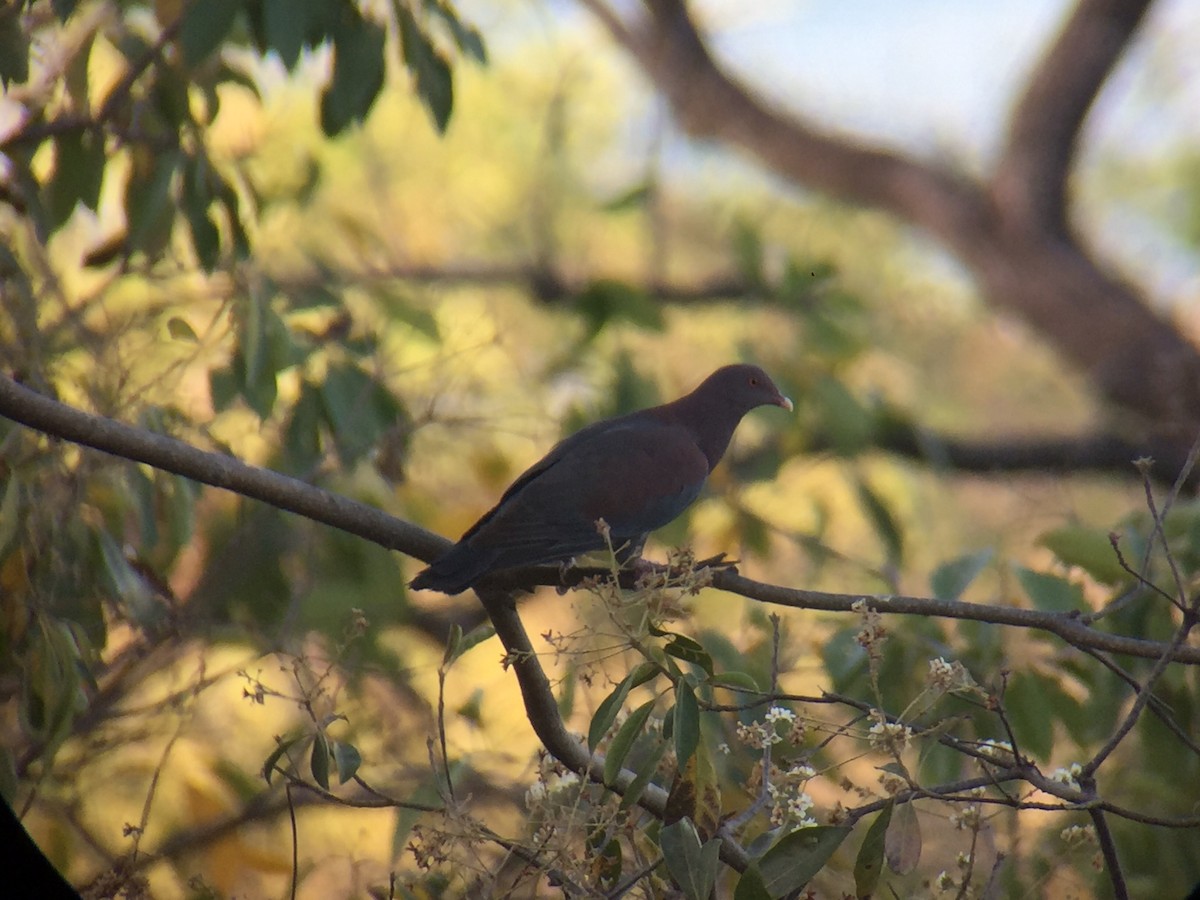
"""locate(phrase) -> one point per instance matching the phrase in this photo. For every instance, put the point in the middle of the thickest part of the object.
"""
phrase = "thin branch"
(41, 413)
(1108, 847)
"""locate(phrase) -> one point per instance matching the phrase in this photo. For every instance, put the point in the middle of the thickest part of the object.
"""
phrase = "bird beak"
(785, 403)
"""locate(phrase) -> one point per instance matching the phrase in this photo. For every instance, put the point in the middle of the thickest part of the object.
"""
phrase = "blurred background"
(399, 249)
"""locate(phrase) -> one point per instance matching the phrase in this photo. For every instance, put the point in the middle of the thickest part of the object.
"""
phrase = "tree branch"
(1135, 358)
(59, 420)
(1030, 181)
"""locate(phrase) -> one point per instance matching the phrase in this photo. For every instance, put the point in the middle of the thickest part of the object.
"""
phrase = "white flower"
(1068, 775)
(778, 714)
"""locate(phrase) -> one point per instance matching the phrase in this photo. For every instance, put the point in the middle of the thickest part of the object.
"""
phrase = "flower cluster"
(872, 631)
(766, 733)
(949, 676)
(1068, 775)
(790, 804)
(548, 785)
(1079, 835)
(890, 736)
(1000, 752)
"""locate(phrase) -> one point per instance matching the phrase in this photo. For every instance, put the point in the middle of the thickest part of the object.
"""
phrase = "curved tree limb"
(1006, 232)
(1030, 179)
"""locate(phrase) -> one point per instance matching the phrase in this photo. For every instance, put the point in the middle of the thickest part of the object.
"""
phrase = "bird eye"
(753, 381)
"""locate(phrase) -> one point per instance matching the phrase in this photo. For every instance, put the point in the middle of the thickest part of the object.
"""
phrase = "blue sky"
(934, 73)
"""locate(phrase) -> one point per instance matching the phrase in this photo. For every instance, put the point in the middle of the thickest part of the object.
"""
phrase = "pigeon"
(635, 472)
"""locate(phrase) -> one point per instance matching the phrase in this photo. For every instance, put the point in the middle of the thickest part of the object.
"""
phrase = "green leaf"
(472, 638)
(10, 513)
(868, 866)
(902, 846)
(63, 8)
(179, 330)
(645, 772)
(606, 712)
(14, 46)
(302, 436)
(607, 300)
(1089, 548)
(751, 885)
(148, 206)
(798, 856)
(950, 579)
(682, 647)
(735, 681)
(847, 424)
(197, 198)
(1050, 593)
(882, 521)
(624, 739)
(466, 37)
(291, 25)
(748, 255)
(686, 731)
(358, 410)
(692, 865)
(78, 175)
(358, 70)
(347, 758)
(635, 197)
(204, 28)
(282, 745)
(452, 642)
(402, 308)
(319, 759)
(434, 80)
(1025, 701)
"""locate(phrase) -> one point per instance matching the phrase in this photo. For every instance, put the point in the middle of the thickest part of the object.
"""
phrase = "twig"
(1108, 847)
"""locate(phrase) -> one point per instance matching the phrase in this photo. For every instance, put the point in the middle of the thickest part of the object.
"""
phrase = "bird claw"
(563, 568)
(717, 562)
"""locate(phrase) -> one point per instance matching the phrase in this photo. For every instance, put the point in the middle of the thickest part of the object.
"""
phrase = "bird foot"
(563, 567)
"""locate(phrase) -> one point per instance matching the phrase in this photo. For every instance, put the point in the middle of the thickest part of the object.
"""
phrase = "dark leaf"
(14, 46)
(606, 712)
(465, 36)
(868, 865)
(148, 205)
(204, 28)
(282, 745)
(902, 846)
(1050, 593)
(799, 855)
(434, 80)
(1088, 548)
(751, 886)
(645, 772)
(78, 174)
(688, 650)
(686, 732)
(319, 760)
(950, 579)
(63, 8)
(358, 69)
(624, 739)
(347, 759)
(358, 410)
(691, 864)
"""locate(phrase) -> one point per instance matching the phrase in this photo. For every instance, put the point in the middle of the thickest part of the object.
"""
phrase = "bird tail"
(454, 571)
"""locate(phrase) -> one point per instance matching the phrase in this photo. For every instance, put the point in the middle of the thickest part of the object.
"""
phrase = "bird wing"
(635, 473)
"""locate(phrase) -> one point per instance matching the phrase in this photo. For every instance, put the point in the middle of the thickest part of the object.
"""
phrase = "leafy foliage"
(152, 269)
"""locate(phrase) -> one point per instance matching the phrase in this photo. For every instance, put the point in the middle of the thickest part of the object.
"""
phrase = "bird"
(637, 472)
